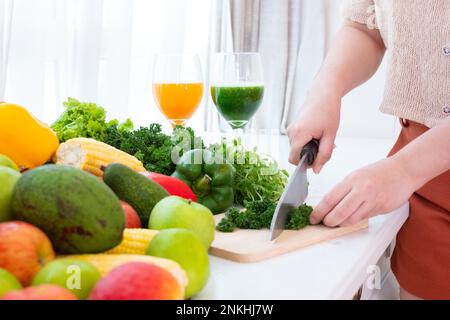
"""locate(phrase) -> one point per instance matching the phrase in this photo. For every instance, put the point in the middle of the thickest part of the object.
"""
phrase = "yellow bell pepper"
(26, 140)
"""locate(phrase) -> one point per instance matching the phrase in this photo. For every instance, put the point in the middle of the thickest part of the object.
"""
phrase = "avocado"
(137, 190)
(78, 212)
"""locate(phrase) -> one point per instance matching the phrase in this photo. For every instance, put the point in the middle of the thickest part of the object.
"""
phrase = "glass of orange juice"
(177, 86)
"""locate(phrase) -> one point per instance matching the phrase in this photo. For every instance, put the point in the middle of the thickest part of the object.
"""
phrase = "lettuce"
(85, 119)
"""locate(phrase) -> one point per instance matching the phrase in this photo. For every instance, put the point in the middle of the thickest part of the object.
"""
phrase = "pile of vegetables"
(257, 181)
(148, 144)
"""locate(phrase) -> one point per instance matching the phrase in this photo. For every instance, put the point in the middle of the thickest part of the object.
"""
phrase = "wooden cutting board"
(254, 245)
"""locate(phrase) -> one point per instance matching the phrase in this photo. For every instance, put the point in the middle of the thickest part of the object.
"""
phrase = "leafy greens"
(85, 119)
(257, 176)
(258, 215)
(151, 146)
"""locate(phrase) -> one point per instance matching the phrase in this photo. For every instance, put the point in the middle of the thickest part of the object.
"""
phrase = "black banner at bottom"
(220, 309)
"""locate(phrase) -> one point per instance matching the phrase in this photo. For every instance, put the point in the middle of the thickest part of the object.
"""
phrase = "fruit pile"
(93, 225)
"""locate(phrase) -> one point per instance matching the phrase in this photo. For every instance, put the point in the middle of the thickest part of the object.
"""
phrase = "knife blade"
(296, 190)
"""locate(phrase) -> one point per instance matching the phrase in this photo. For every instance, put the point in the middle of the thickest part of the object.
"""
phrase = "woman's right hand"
(319, 119)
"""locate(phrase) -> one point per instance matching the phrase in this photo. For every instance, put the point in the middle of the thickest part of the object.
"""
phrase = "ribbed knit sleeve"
(361, 11)
(416, 34)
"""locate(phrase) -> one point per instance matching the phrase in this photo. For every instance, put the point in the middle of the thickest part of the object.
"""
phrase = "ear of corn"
(134, 241)
(106, 262)
(91, 155)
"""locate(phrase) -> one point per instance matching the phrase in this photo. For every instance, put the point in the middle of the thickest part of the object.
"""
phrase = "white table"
(330, 270)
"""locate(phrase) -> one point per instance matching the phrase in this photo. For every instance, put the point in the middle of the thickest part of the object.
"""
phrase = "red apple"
(41, 292)
(138, 281)
(132, 219)
(24, 250)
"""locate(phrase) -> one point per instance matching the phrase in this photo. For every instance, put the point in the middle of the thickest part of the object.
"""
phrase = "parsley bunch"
(258, 215)
(257, 176)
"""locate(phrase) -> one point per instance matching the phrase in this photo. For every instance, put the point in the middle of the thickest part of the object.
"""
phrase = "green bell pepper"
(210, 177)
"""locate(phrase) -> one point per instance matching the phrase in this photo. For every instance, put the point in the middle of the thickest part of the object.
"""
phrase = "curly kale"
(151, 146)
(113, 136)
(258, 215)
(227, 223)
(299, 217)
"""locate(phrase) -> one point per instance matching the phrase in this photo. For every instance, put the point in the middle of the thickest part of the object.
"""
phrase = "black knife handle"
(310, 150)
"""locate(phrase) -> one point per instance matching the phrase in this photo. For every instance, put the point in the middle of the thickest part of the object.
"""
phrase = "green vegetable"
(258, 215)
(151, 146)
(123, 127)
(185, 139)
(139, 191)
(210, 177)
(84, 119)
(299, 218)
(226, 224)
(257, 176)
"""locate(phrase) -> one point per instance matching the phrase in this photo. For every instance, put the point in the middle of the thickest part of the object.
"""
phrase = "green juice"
(237, 104)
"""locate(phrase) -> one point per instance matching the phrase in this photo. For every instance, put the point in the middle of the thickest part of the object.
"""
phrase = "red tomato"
(174, 186)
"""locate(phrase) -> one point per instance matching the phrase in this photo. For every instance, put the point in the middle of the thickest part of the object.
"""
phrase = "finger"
(297, 144)
(327, 204)
(344, 209)
(326, 147)
(359, 215)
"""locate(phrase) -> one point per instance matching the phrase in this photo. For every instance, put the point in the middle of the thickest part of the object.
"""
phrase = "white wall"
(360, 115)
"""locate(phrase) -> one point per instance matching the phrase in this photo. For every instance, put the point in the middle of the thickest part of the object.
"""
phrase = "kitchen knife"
(296, 190)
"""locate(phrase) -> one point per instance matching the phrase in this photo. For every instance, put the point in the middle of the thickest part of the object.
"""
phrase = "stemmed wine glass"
(177, 86)
(237, 87)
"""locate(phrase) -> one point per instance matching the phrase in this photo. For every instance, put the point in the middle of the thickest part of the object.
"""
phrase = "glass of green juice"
(237, 87)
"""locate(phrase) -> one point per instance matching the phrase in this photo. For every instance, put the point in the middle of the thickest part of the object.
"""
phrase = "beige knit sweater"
(417, 37)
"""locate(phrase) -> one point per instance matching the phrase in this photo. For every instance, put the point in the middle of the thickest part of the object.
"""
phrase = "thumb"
(326, 147)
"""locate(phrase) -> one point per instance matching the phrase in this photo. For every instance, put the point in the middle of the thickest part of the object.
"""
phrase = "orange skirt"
(421, 259)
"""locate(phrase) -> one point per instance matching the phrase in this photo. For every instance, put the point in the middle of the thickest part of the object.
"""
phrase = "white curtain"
(102, 51)
(94, 50)
(291, 37)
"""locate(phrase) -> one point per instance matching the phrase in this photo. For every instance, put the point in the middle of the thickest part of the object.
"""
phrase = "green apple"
(77, 276)
(184, 247)
(8, 282)
(8, 179)
(177, 212)
(7, 162)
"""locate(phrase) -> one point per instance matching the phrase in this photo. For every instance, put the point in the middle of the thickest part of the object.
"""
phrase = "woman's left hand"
(376, 189)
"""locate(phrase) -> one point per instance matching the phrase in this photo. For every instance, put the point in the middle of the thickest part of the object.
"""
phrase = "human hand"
(376, 189)
(319, 120)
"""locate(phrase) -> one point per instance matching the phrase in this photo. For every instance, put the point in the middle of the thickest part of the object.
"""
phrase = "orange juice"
(178, 101)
